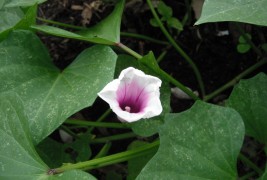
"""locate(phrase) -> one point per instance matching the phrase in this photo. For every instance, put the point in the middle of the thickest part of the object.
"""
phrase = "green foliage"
(248, 11)
(105, 32)
(243, 46)
(18, 157)
(249, 99)
(167, 16)
(202, 142)
(15, 18)
(51, 96)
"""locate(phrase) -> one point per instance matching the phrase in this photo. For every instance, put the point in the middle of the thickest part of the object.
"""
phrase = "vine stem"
(97, 124)
(108, 160)
(235, 80)
(178, 48)
(161, 72)
(113, 138)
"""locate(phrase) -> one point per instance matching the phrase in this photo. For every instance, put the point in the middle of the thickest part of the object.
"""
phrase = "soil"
(216, 56)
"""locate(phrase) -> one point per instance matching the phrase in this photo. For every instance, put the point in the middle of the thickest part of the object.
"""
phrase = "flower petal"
(134, 95)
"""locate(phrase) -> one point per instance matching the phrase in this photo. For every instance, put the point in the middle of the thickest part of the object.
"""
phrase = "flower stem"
(253, 166)
(97, 124)
(235, 80)
(113, 138)
(178, 48)
(111, 159)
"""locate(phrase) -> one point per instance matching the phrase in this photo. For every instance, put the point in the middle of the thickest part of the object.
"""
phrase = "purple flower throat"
(132, 97)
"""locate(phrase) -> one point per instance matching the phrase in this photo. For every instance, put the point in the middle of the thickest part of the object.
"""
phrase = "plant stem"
(130, 51)
(108, 160)
(97, 124)
(178, 84)
(235, 80)
(178, 48)
(104, 150)
(161, 56)
(248, 40)
(253, 166)
(61, 24)
(140, 36)
(113, 138)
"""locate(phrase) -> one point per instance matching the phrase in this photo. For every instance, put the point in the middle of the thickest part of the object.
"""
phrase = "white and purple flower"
(133, 96)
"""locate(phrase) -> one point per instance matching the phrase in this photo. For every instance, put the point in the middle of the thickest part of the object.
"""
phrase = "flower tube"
(133, 96)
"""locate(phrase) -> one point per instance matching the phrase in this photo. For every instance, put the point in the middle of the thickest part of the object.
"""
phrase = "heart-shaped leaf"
(249, 99)
(200, 143)
(51, 96)
(105, 32)
(18, 158)
(248, 11)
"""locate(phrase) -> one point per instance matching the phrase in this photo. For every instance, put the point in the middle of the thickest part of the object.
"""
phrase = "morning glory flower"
(133, 96)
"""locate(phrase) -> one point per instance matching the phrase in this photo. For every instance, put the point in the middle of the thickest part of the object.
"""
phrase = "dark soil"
(216, 57)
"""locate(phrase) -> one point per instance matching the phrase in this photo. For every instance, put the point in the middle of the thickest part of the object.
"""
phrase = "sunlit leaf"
(51, 95)
(248, 11)
(200, 143)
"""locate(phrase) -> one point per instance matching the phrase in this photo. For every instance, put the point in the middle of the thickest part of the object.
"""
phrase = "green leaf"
(18, 158)
(51, 95)
(105, 32)
(249, 99)
(28, 19)
(80, 147)
(153, 22)
(53, 153)
(9, 18)
(23, 21)
(247, 11)
(16, 3)
(150, 61)
(242, 39)
(164, 10)
(243, 48)
(136, 165)
(200, 143)
(109, 28)
(175, 23)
